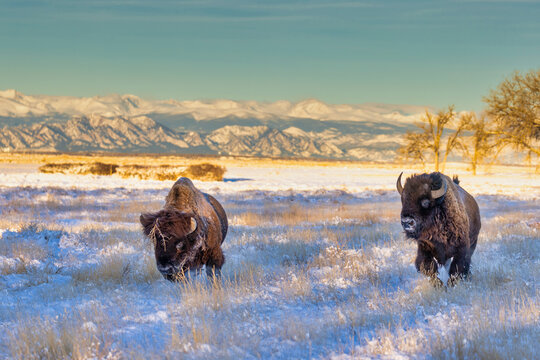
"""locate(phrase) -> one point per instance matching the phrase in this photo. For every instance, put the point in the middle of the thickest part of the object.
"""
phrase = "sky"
(429, 53)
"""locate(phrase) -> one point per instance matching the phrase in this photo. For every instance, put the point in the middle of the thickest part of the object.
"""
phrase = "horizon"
(341, 52)
(209, 100)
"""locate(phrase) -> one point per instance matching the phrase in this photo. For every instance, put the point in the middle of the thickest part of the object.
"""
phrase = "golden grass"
(25, 252)
(296, 284)
(95, 168)
(501, 328)
(295, 214)
(117, 269)
(71, 336)
(217, 293)
(246, 161)
(487, 333)
(202, 171)
(279, 261)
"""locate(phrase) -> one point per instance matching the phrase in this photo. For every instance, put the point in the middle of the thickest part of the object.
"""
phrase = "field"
(316, 267)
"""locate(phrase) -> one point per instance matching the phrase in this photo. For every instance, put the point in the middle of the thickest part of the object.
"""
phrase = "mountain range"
(127, 123)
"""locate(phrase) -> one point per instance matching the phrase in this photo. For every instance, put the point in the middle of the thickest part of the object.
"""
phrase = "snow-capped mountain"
(127, 123)
(15, 104)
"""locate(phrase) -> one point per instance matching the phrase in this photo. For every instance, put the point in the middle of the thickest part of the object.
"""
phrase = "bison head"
(420, 198)
(171, 232)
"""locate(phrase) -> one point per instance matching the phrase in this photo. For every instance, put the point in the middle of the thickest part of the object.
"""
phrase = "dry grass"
(205, 172)
(296, 285)
(294, 213)
(244, 161)
(118, 269)
(217, 293)
(146, 172)
(26, 250)
(93, 168)
(508, 325)
(315, 278)
(353, 265)
(71, 336)
(202, 172)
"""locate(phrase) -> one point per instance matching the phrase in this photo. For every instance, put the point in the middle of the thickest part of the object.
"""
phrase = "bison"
(443, 219)
(188, 232)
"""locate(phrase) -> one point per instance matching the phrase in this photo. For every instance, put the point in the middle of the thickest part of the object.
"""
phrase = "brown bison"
(187, 233)
(443, 219)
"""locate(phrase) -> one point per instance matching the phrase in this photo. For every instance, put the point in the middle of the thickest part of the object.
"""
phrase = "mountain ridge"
(141, 134)
(127, 123)
(14, 104)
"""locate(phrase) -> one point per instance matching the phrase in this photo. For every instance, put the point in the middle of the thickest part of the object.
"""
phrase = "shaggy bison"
(443, 219)
(187, 233)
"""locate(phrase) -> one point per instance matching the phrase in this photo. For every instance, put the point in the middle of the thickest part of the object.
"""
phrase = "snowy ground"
(316, 267)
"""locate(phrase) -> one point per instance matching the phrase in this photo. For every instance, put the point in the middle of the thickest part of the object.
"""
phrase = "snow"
(354, 180)
(316, 266)
(15, 104)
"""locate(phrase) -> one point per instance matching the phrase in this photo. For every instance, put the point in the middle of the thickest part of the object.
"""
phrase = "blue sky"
(431, 53)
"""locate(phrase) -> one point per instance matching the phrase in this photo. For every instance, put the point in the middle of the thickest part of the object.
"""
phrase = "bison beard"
(443, 219)
(188, 232)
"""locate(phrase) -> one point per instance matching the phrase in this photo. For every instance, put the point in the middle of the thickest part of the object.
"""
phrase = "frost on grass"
(309, 273)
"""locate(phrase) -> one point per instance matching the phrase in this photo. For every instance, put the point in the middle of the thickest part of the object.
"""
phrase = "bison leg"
(213, 272)
(214, 264)
(460, 266)
(425, 263)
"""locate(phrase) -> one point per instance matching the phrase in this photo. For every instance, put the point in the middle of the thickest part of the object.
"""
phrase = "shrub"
(95, 168)
(205, 172)
(98, 168)
(145, 172)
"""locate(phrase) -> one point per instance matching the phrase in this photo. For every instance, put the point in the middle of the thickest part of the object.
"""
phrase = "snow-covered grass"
(316, 266)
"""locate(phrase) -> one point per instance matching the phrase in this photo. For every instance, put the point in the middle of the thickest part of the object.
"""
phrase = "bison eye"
(425, 203)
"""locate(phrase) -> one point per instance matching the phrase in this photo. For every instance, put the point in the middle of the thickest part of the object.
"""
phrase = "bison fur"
(188, 232)
(443, 219)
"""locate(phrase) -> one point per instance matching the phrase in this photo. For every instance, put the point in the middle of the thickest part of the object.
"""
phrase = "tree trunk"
(474, 159)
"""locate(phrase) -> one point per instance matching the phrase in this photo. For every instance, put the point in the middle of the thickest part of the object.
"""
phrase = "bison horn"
(435, 194)
(398, 184)
(193, 225)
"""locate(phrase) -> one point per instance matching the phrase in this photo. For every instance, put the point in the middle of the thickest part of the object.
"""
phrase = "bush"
(145, 172)
(96, 168)
(203, 172)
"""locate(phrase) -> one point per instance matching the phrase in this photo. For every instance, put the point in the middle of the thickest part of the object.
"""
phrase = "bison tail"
(455, 179)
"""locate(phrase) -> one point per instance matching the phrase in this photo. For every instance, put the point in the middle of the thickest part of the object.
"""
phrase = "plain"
(316, 267)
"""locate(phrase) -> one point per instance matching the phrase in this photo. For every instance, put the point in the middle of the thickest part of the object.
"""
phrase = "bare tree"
(515, 108)
(415, 143)
(478, 145)
(429, 143)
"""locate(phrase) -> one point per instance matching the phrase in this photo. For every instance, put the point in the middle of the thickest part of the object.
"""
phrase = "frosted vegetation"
(201, 171)
(316, 266)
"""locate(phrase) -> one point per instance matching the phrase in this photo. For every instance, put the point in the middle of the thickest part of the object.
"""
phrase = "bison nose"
(408, 223)
(165, 269)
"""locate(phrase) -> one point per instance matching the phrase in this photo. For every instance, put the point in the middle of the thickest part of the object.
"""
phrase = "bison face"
(420, 198)
(171, 232)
